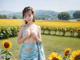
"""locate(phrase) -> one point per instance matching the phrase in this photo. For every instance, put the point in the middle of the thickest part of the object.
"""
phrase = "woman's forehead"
(28, 12)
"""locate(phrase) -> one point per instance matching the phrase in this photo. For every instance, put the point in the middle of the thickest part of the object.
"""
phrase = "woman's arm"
(39, 34)
(20, 36)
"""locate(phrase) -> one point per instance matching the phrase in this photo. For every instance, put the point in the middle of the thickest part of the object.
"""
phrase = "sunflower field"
(9, 28)
(69, 54)
(54, 46)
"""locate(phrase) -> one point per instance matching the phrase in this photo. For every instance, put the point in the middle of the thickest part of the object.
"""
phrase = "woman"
(29, 37)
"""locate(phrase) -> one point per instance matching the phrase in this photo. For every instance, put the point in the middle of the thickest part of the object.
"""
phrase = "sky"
(54, 5)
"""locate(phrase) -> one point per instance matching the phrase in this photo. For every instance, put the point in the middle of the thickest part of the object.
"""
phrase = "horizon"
(37, 10)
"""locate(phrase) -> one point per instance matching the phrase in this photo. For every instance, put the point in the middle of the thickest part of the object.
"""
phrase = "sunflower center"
(54, 58)
(66, 53)
(6, 45)
(77, 57)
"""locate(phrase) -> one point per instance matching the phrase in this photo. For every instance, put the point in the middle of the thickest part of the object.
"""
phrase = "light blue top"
(32, 51)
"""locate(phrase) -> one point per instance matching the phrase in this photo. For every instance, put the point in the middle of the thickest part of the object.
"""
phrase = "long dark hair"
(26, 9)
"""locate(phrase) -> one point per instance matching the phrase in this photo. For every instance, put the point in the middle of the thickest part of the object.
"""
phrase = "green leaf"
(9, 53)
(3, 52)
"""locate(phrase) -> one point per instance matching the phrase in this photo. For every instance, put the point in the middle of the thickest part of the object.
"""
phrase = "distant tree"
(3, 16)
(64, 16)
(14, 17)
(76, 14)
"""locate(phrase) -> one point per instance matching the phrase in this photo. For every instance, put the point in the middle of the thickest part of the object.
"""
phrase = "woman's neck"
(29, 24)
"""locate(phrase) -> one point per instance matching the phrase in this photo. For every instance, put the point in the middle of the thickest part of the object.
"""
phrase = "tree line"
(60, 16)
(66, 15)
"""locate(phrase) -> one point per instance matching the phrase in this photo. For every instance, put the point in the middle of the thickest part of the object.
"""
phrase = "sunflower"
(6, 44)
(75, 55)
(55, 56)
(67, 52)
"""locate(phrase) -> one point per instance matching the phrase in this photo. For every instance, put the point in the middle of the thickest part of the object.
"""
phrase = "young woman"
(29, 37)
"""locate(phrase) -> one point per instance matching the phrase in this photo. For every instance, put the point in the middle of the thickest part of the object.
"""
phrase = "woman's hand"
(36, 34)
(22, 39)
(27, 35)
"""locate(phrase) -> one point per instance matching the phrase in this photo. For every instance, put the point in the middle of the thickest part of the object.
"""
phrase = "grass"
(50, 43)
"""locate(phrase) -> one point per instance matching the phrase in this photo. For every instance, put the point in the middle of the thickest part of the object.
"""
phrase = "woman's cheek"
(31, 18)
(26, 19)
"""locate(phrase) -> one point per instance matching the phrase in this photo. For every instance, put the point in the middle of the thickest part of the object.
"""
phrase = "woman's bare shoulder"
(37, 25)
(22, 25)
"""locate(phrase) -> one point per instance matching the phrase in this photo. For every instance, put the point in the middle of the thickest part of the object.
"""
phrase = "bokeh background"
(59, 21)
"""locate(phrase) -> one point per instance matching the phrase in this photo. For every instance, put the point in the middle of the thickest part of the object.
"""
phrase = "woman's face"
(28, 17)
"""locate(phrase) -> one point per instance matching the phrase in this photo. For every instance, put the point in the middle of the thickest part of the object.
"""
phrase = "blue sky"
(55, 5)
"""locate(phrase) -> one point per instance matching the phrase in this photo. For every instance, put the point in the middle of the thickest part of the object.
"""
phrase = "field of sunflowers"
(10, 51)
(9, 28)
(68, 55)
